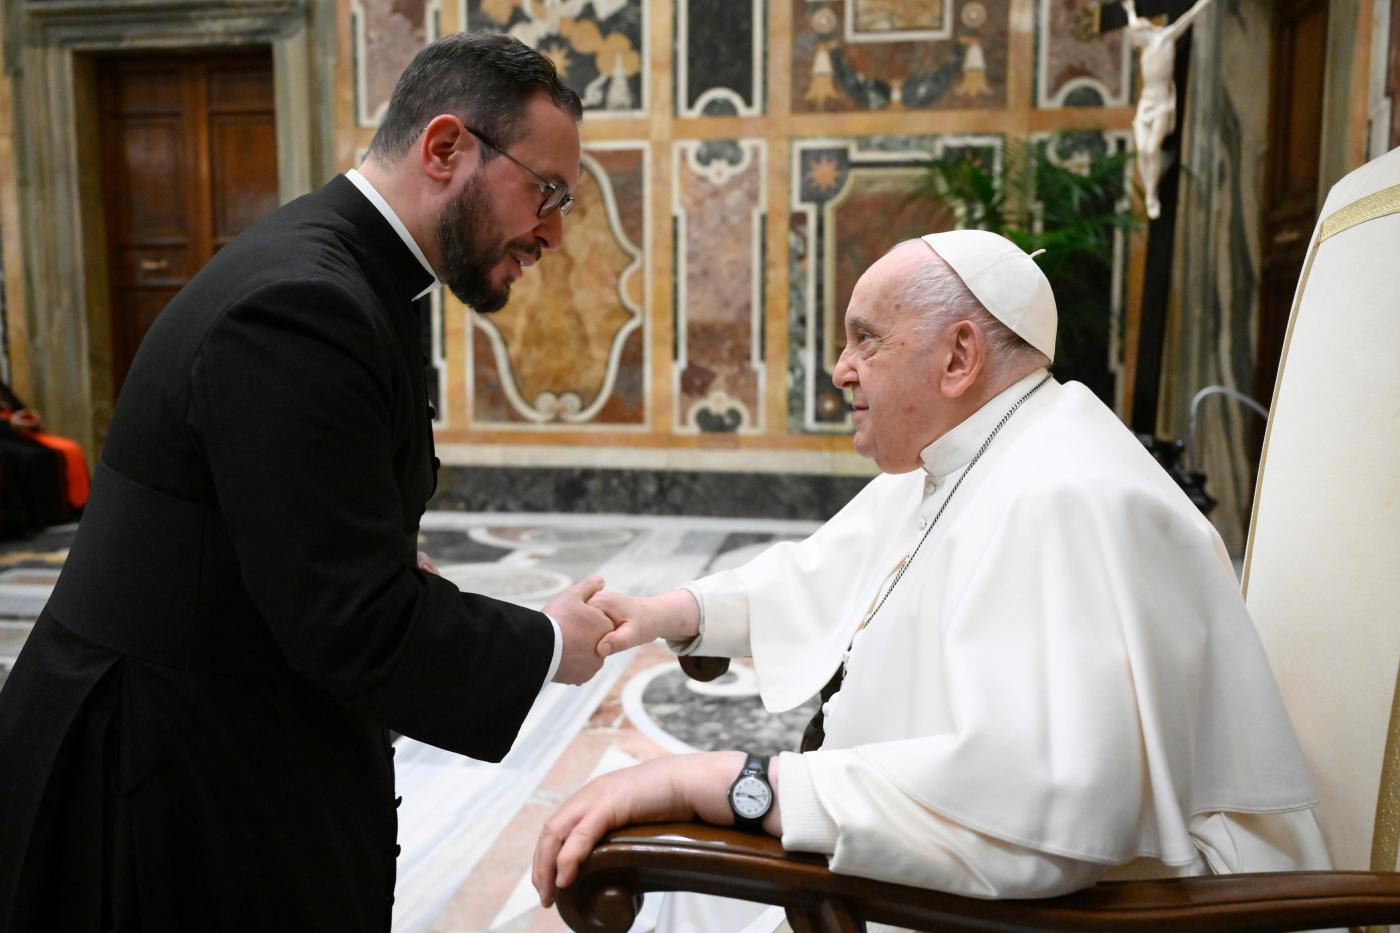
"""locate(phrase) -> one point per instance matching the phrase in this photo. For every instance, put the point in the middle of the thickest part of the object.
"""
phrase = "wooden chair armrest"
(711, 860)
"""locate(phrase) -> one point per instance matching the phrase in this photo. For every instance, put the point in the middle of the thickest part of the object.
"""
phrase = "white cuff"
(558, 652)
(724, 617)
(686, 647)
(806, 825)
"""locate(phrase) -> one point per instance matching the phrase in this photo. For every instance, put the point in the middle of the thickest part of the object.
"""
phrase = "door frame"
(50, 56)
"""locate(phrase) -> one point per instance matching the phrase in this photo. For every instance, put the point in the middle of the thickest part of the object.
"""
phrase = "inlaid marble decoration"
(1078, 73)
(717, 203)
(719, 57)
(849, 206)
(892, 55)
(569, 350)
(598, 46)
(1091, 350)
(385, 35)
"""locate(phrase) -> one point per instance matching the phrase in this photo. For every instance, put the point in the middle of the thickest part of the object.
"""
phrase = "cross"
(1098, 19)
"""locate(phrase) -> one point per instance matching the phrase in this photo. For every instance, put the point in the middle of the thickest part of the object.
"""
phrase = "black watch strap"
(755, 766)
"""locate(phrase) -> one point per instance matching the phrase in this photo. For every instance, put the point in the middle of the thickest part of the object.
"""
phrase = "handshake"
(595, 624)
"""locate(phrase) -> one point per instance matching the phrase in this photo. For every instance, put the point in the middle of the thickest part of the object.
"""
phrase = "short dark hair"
(484, 78)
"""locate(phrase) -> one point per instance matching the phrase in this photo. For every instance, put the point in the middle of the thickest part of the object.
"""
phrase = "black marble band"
(806, 496)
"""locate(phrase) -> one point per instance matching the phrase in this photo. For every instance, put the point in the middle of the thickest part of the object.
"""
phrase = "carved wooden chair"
(1322, 581)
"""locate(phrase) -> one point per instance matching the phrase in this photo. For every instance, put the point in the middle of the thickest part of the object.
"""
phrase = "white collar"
(381, 205)
(955, 449)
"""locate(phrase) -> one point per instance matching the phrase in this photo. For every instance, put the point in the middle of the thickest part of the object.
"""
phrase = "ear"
(444, 147)
(966, 357)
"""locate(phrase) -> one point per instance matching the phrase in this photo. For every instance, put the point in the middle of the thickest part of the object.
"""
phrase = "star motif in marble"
(824, 173)
(559, 55)
(499, 10)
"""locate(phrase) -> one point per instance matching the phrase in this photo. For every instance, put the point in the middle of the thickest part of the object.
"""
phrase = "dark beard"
(464, 238)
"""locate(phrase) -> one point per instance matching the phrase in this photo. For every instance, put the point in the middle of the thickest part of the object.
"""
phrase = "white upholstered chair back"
(1322, 571)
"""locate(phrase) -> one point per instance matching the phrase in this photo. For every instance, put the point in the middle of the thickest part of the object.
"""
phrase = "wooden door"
(189, 159)
(1290, 195)
(1393, 75)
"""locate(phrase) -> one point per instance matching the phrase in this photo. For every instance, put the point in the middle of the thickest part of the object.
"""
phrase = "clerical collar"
(953, 450)
(381, 205)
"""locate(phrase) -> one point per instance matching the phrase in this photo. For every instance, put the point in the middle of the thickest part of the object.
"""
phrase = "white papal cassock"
(1064, 687)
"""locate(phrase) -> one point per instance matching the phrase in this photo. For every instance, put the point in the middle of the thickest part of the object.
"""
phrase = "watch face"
(750, 797)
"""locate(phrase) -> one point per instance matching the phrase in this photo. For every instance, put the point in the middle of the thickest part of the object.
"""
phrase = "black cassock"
(194, 736)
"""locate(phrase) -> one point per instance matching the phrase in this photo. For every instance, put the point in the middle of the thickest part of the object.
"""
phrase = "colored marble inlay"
(897, 15)
(718, 206)
(1074, 72)
(851, 204)
(719, 63)
(853, 55)
(386, 36)
(569, 347)
(598, 46)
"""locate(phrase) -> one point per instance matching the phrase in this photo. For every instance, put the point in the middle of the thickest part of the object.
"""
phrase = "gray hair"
(485, 79)
(938, 295)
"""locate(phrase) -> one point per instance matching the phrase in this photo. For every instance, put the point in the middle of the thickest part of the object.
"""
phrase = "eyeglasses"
(556, 194)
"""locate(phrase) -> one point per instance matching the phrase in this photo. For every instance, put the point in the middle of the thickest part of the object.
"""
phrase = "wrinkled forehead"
(882, 291)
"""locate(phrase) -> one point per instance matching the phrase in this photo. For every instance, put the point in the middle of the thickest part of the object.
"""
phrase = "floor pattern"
(468, 828)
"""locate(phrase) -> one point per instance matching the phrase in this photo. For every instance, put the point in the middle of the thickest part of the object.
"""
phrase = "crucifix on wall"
(1156, 108)
(1164, 65)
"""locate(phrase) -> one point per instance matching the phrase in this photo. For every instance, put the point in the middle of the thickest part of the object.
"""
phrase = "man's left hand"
(683, 787)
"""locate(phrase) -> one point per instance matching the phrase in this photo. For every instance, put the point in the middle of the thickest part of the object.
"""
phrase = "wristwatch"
(751, 796)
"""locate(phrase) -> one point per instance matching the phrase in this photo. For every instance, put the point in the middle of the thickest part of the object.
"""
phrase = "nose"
(550, 230)
(844, 374)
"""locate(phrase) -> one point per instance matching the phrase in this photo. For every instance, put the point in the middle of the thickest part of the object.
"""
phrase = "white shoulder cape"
(1067, 665)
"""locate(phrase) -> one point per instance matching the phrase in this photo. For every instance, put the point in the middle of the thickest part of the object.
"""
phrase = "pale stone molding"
(49, 58)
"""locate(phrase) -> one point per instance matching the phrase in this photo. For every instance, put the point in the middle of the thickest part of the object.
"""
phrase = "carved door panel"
(1290, 193)
(189, 159)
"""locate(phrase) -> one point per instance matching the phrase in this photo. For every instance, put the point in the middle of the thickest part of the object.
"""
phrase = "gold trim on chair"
(1385, 844)
(1378, 204)
(1383, 202)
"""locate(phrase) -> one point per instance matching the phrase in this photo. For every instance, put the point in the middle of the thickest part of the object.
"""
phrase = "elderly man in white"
(1048, 675)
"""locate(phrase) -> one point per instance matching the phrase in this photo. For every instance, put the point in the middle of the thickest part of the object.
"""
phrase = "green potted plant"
(1065, 194)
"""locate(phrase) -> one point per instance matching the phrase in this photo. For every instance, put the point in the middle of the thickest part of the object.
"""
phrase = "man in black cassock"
(194, 736)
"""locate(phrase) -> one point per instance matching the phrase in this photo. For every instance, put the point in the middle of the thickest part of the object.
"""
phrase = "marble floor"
(468, 829)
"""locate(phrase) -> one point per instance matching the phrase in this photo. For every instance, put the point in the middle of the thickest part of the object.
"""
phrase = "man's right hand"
(640, 620)
(582, 626)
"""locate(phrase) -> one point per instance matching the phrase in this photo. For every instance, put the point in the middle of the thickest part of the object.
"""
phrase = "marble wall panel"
(385, 35)
(1090, 343)
(1074, 72)
(849, 206)
(598, 46)
(891, 55)
(717, 203)
(720, 57)
(1210, 338)
(569, 351)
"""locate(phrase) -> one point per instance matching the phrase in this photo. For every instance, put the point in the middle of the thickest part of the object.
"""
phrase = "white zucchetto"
(1007, 282)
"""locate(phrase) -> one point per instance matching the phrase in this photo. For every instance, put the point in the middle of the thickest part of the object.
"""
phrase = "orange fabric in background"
(76, 467)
